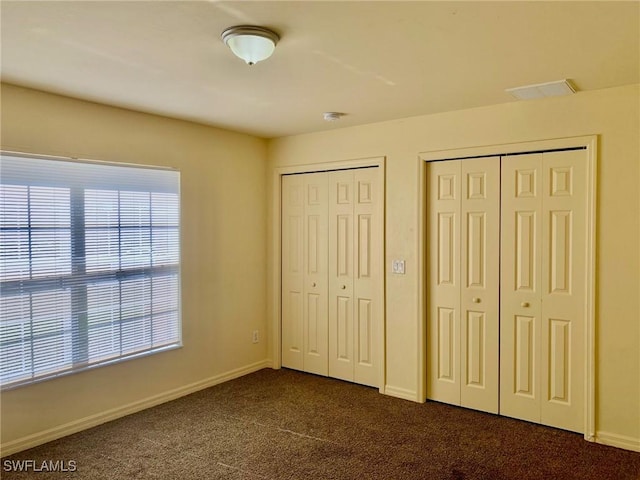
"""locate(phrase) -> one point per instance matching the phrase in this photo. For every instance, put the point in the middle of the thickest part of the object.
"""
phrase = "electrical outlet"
(255, 336)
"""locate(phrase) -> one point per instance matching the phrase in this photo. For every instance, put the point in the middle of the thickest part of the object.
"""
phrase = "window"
(89, 265)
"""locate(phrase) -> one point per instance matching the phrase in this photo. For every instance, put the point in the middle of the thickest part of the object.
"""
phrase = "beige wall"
(613, 114)
(223, 177)
(225, 227)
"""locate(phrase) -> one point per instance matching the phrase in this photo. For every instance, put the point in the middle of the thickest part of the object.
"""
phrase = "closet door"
(520, 282)
(292, 271)
(368, 272)
(332, 290)
(564, 259)
(544, 288)
(341, 275)
(355, 298)
(443, 290)
(315, 277)
(463, 294)
(479, 289)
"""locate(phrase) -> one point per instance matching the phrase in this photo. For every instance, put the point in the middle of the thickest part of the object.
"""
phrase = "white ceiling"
(374, 60)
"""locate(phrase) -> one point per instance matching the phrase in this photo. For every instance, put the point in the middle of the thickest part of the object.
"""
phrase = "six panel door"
(520, 324)
(354, 274)
(462, 298)
(564, 289)
(480, 265)
(331, 274)
(543, 288)
(368, 271)
(443, 288)
(507, 286)
(506, 291)
(292, 271)
(315, 267)
(341, 275)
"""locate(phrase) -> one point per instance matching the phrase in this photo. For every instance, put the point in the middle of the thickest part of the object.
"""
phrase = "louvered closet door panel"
(341, 275)
(292, 271)
(520, 322)
(480, 272)
(563, 290)
(443, 291)
(367, 293)
(315, 279)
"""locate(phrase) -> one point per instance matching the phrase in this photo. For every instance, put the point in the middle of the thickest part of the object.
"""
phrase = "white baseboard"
(616, 440)
(403, 393)
(45, 436)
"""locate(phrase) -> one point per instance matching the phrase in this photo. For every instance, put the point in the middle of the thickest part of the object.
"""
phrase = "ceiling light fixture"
(251, 44)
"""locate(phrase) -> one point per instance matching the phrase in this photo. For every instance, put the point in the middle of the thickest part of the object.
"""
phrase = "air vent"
(541, 90)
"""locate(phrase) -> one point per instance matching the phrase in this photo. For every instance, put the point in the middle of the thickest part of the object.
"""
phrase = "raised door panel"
(480, 272)
(524, 347)
(315, 275)
(367, 284)
(520, 286)
(341, 274)
(292, 271)
(563, 289)
(444, 287)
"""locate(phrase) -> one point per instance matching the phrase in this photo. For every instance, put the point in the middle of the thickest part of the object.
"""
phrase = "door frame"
(276, 251)
(588, 142)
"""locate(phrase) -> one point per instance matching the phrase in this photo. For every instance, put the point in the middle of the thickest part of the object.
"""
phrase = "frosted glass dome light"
(251, 44)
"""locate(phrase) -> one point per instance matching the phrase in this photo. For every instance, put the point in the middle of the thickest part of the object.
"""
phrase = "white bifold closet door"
(354, 276)
(463, 292)
(304, 272)
(507, 285)
(332, 274)
(543, 288)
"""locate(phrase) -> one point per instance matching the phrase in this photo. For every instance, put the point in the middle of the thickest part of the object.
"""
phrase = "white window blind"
(89, 265)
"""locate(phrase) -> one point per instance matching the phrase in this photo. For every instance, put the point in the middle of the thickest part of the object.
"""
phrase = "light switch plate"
(397, 267)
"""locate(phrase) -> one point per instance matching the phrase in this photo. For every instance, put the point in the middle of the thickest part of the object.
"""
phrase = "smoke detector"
(332, 116)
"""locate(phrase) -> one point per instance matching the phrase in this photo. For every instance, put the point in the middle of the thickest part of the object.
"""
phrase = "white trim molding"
(616, 440)
(60, 431)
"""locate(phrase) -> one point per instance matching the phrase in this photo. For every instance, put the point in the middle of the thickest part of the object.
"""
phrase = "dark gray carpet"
(288, 425)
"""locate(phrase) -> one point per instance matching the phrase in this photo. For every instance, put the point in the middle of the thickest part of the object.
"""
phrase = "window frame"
(78, 279)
